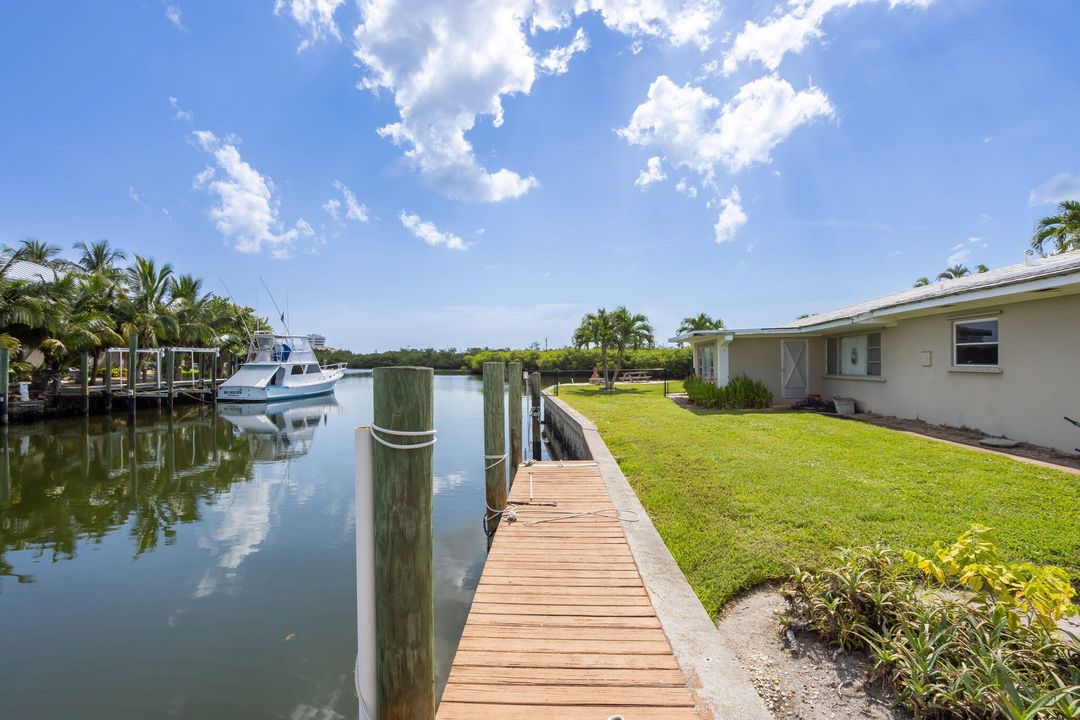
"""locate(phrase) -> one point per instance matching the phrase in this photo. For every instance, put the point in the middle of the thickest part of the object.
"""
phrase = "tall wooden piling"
(170, 369)
(213, 377)
(534, 412)
(514, 398)
(494, 440)
(84, 381)
(5, 388)
(133, 364)
(402, 480)
(108, 381)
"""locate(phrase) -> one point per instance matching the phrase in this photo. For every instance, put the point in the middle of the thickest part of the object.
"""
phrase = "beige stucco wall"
(759, 359)
(1039, 383)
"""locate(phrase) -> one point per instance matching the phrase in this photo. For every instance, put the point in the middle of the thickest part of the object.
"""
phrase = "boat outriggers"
(279, 367)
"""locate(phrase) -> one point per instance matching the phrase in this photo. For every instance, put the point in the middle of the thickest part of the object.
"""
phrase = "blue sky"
(838, 150)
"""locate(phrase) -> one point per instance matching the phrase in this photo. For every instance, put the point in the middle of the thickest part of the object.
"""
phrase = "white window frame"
(995, 343)
(840, 374)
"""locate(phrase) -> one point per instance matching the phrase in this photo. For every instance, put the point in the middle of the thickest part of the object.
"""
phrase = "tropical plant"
(980, 268)
(740, 392)
(954, 272)
(1061, 231)
(951, 650)
(701, 321)
(597, 329)
(922, 282)
(632, 332)
(36, 251)
(99, 257)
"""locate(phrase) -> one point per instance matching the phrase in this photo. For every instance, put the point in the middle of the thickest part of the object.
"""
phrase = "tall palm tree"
(80, 322)
(99, 257)
(701, 321)
(597, 329)
(921, 282)
(954, 272)
(36, 251)
(632, 332)
(22, 304)
(1062, 230)
(146, 311)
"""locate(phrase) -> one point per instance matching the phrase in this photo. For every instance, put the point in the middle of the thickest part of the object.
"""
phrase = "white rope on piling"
(496, 460)
(375, 430)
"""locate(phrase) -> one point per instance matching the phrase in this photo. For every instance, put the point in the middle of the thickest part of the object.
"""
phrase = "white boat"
(280, 430)
(279, 367)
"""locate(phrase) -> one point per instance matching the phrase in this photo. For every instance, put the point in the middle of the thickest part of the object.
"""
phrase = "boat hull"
(272, 393)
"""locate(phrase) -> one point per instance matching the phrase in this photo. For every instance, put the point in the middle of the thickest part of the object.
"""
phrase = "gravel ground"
(814, 682)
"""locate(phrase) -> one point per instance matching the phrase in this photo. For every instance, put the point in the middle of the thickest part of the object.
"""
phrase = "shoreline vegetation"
(677, 361)
(52, 309)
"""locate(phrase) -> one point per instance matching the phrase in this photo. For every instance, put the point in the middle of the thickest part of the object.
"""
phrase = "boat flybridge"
(279, 367)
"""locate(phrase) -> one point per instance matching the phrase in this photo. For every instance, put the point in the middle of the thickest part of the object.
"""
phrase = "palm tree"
(702, 321)
(632, 332)
(980, 268)
(36, 251)
(80, 322)
(1063, 229)
(146, 311)
(954, 272)
(597, 329)
(99, 257)
(22, 304)
(921, 282)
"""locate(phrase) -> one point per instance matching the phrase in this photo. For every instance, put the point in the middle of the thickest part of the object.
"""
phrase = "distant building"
(29, 271)
(317, 341)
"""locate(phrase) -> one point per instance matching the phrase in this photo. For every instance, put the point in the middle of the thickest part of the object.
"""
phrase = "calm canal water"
(203, 565)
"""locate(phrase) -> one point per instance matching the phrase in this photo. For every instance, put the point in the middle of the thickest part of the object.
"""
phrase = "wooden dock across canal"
(561, 625)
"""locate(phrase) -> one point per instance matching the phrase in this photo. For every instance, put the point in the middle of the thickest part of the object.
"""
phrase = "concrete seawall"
(722, 686)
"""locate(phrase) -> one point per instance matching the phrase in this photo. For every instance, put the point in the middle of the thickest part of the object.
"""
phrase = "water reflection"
(84, 480)
(202, 564)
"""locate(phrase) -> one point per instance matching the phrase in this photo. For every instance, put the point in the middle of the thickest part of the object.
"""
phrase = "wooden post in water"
(5, 468)
(84, 381)
(402, 488)
(514, 398)
(170, 369)
(133, 364)
(108, 381)
(213, 377)
(494, 441)
(534, 411)
(5, 389)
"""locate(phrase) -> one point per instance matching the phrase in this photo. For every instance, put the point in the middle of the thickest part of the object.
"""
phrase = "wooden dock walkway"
(561, 625)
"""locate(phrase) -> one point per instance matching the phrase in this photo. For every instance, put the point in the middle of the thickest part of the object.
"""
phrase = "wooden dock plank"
(561, 625)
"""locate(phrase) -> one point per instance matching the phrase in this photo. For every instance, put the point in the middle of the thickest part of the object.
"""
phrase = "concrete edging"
(720, 683)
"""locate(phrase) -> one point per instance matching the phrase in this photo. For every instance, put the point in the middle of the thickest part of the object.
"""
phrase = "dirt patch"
(811, 682)
(967, 436)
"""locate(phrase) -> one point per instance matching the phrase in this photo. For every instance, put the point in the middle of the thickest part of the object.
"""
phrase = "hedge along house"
(998, 352)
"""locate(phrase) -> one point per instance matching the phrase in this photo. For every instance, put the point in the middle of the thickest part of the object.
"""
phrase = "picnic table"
(635, 376)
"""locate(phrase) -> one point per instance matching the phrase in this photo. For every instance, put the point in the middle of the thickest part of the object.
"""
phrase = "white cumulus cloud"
(354, 209)
(246, 211)
(651, 174)
(315, 18)
(732, 217)
(686, 188)
(426, 231)
(447, 65)
(961, 252)
(694, 130)
(180, 113)
(789, 31)
(1059, 188)
(557, 60)
(175, 15)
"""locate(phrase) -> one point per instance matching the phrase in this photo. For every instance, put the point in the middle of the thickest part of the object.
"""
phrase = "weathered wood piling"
(534, 412)
(402, 497)
(494, 442)
(5, 388)
(514, 398)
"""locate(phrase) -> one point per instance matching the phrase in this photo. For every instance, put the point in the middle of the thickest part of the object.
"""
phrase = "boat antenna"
(281, 315)
(229, 294)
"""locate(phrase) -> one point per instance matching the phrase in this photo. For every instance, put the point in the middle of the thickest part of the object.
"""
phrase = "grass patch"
(740, 496)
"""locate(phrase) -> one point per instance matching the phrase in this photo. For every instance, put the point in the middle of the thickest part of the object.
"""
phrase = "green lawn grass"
(739, 497)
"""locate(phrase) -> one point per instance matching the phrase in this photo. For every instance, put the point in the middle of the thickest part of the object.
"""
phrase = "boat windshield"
(280, 349)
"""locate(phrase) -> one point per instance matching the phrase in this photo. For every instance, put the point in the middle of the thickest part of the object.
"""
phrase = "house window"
(706, 364)
(975, 342)
(853, 355)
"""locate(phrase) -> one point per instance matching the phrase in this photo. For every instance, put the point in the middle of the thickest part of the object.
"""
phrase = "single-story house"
(998, 351)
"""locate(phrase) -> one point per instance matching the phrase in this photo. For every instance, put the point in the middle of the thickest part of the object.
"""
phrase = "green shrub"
(740, 392)
(946, 651)
(677, 361)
